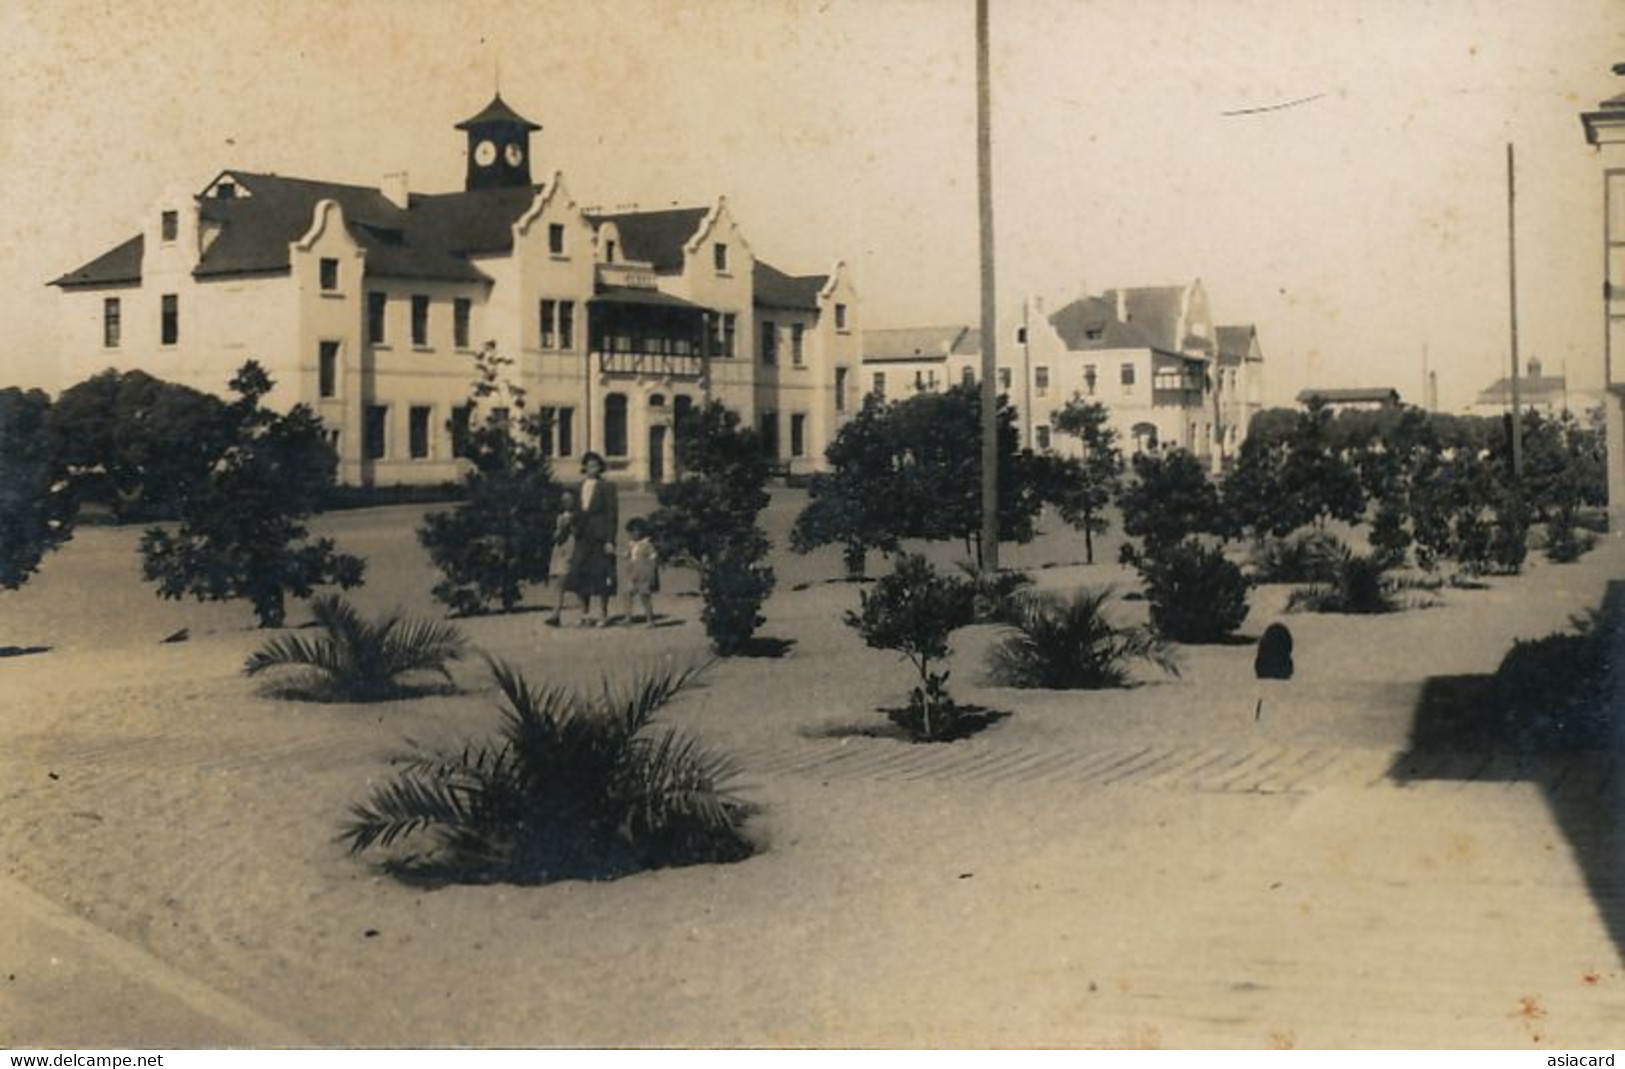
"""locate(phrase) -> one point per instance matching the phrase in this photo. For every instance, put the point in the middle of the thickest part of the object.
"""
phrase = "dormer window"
(555, 239)
(1094, 333)
(719, 256)
(169, 225)
(225, 190)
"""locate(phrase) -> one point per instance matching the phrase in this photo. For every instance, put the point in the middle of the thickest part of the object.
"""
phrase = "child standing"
(642, 570)
(563, 529)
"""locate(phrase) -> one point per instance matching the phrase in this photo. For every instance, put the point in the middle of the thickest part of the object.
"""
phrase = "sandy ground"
(1158, 866)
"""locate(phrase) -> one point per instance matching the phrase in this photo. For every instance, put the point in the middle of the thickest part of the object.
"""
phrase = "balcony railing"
(661, 365)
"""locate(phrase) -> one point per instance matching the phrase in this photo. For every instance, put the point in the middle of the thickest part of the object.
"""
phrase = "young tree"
(502, 536)
(1282, 483)
(240, 533)
(1088, 486)
(707, 521)
(857, 504)
(36, 509)
(913, 611)
(1170, 499)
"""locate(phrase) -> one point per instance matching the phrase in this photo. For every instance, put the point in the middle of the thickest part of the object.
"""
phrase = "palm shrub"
(1069, 644)
(1358, 585)
(1196, 594)
(913, 611)
(991, 593)
(359, 660)
(1306, 556)
(578, 785)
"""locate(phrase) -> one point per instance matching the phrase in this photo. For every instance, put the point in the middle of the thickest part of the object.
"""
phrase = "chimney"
(1534, 367)
(393, 188)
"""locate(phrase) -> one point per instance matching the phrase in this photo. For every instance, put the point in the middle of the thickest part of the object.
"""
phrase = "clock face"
(514, 155)
(485, 153)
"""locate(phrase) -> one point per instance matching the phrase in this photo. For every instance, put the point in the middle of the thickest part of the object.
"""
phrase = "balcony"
(657, 365)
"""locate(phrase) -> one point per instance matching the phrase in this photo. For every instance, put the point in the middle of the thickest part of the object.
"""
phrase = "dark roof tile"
(776, 289)
(114, 267)
(656, 237)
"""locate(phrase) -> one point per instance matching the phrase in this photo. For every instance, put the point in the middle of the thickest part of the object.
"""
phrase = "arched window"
(615, 425)
(657, 400)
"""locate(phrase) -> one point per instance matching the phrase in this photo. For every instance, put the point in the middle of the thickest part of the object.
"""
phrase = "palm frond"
(358, 660)
(1069, 643)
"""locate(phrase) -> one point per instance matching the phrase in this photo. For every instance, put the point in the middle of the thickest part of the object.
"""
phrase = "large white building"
(369, 305)
(1151, 355)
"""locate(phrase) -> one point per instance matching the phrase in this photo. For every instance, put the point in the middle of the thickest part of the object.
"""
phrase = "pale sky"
(1353, 229)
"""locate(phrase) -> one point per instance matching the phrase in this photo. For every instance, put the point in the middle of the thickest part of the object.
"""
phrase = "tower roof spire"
(497, 112)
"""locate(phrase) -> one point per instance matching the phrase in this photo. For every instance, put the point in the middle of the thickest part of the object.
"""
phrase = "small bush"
(1358, 586)
(733, 587)
(1553, 692)
(1309, 556)
(992, 595)
(913, 611)
(578, 786)
(1069, 644)
(357, 660)
(1196, 594)
(1566, 541)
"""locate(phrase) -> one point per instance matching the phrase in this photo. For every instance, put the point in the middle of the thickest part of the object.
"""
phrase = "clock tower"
(498, 147)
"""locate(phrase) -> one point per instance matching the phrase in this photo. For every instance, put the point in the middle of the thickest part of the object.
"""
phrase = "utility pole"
(1512, 297)
(990, 332)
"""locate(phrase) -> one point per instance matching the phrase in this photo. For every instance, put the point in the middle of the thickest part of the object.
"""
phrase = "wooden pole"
(1512, 299)
(990, 333)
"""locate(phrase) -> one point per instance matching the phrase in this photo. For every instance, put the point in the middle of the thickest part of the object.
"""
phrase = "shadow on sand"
(1552, 714)
(22, 651)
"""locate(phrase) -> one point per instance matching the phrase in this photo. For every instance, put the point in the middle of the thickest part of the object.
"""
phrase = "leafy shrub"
(36, 510)
(240, 532)
(1069, 644)
(1553, 692)
(991, 594)
(502, 536)
(733, 587)
(913, 611)
(1196, 594)
(1170, 500)
(858, 503)
(1566, 541)
(356, 660)
(1309, 556)
(578, 786)
(1358, 585)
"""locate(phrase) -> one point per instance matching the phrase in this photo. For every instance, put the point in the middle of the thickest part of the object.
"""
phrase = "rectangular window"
(327, 369)
(373, 437)
(1089, 379)
(840, 389)
(879, 389)
(798, 434)
(730, 323)
(111, 316)
(798, 355)
(567, 324)
(609, 252)
(770, 434)
(967, 376)
(329, 272)
(1041, 436)
(377, 312)
(549, 311)
(169, 323)
(1041, 380)
(719, 256)
(1021, 335)
(226, 190)
(1004, 379)
(770, 343)
(417, 431)
(840, 317)
(171, 224)
(566, 432)
(420, 319)
(919, 381)
(555, 239)
(460, 417)
(1127, 375)
(461, 308)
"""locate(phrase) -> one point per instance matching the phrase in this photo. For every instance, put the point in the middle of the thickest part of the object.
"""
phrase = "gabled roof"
(114, 267)
(471, 223)
(918, 343)
(1235, 341)
(1092, 323)
(656, 238)
(775, 289)
(1155, 310)
(497, 112)
(1533, 389)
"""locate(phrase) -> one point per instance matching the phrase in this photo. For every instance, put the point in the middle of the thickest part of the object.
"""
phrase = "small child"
(642, 570)
(563, 528)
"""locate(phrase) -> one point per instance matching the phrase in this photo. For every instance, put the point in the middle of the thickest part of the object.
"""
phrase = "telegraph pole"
(1512, 299)
(990, 332)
